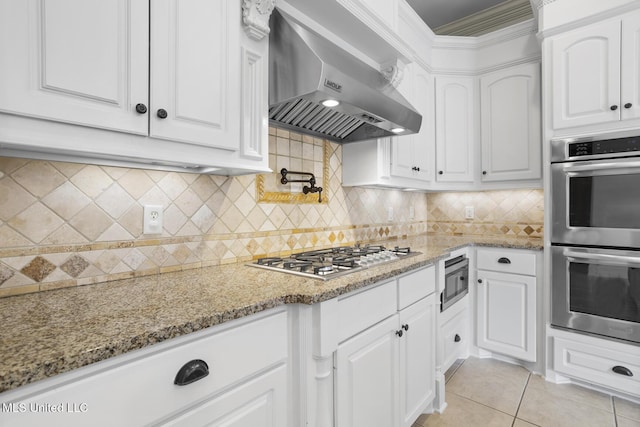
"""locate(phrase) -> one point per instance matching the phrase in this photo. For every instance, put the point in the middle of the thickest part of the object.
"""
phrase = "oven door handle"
(593, 258)
(619, 167)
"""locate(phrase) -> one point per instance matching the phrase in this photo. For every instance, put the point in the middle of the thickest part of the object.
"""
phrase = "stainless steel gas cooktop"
(325, 264)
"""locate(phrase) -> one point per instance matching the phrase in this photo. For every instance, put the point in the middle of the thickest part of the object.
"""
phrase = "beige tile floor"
(487, 392)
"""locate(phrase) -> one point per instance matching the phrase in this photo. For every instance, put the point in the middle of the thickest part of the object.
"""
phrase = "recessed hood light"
(398, 130)
(330, 103)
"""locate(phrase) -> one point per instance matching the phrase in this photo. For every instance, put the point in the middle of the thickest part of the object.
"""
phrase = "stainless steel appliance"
(325, 264)
(597, 291)
(596, 191)
(318, 88)
(595, 235)
(456, 278)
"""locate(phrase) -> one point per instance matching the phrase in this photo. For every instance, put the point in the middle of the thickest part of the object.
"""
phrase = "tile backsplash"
(511, 213)
(68, 224)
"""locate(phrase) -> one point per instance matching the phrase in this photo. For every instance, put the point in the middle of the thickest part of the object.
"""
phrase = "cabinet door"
(630, 91)
(367, 378)
(455, 128)
(510, 122)
(586, 75)
(77, 61)
(260, 402)
(195, 72)
(417, 359)
(507, 314)
(410, 155)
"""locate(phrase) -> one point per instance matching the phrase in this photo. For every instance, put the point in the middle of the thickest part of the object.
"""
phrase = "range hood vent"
(306, 70)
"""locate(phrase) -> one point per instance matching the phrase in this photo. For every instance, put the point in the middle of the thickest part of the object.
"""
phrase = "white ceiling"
(438, 13)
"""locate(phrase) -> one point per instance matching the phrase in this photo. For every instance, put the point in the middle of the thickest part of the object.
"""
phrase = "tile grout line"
(524, 390)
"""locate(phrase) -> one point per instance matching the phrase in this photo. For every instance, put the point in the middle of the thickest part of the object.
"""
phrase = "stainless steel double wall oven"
(595, 236)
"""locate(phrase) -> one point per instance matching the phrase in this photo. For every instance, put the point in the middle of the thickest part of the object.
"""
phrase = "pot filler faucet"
(311, 188)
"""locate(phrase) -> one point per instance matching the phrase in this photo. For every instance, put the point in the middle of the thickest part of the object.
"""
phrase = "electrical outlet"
(390, 213)
(152, 219)
(469, 212)
(412, 212)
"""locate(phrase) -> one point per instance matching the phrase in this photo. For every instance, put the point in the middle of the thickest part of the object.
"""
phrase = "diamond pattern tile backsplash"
(511, 213)
(68, 224)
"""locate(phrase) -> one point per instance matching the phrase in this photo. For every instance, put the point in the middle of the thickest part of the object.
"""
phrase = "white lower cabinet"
(506, 297)
(260, 402)
(246, 384)
(385, 374)
(454, 334)
(417, 359)
(368, 378)
(606, 363)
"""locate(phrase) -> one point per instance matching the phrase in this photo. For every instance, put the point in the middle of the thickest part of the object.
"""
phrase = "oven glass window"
(605, 290)
(609, 201)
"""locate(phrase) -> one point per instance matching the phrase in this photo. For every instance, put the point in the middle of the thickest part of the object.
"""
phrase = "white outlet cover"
(390, 213)
(469, 212)
(152, 220)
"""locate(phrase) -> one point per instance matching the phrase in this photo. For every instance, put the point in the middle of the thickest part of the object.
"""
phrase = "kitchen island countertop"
(47, 333)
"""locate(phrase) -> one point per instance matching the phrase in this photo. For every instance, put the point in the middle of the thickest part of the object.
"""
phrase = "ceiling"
(471, 17)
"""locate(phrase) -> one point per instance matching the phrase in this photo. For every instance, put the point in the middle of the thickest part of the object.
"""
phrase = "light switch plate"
(152, 219)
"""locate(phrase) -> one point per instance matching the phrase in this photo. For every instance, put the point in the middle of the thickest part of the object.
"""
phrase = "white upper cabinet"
(194, 72)
(630, 67)
(77, 61)
(180, 81)
(596, 72)
(411, 155)
(455, 128)
(510, 124)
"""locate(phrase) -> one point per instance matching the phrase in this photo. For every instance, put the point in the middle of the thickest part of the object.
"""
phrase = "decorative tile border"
(87, 265)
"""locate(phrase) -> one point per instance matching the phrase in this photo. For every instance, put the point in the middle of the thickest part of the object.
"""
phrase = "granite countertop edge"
(34, 353)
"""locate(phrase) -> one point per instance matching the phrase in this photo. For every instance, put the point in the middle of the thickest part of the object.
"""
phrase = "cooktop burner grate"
(334, 262)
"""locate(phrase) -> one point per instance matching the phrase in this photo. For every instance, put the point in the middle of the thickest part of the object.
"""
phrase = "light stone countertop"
(47, 333)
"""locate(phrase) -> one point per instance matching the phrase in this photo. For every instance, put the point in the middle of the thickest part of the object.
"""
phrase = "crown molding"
(489, 20)
(521, 29)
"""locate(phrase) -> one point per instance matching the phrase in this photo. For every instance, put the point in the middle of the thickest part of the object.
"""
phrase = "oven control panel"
(608, 146)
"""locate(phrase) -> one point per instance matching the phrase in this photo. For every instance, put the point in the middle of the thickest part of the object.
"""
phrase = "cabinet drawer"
(358, 311)
(454, 336)
(594, 363)
(415, 286)
(141, 389)
(508, 261)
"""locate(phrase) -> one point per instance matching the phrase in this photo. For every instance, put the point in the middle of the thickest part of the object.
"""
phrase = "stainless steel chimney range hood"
(317, 88)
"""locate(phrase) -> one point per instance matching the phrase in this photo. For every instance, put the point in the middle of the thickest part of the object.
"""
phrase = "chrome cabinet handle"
(592, 258)
(191, 372)
(620, 167)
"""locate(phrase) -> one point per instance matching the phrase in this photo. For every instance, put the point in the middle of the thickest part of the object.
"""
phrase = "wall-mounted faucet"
(311, 188)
